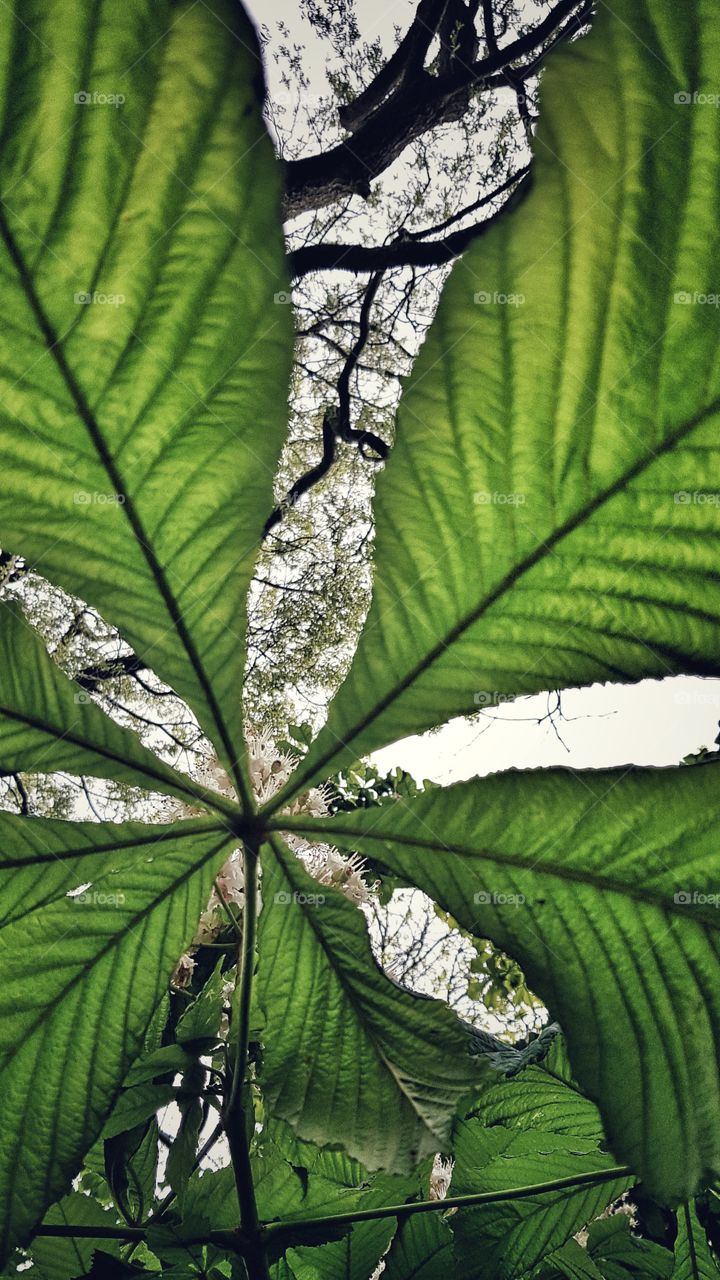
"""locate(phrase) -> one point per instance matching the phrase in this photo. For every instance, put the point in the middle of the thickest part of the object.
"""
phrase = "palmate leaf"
(350, 1056)
(143, 363)
(604, 885)
(81, 976)
(549, 514)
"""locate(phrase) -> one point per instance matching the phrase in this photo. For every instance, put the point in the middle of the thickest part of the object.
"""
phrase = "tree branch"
(409, 250)
(407, 58)
(22, 794)
(337, 421)
(418, 104)
(516, 82)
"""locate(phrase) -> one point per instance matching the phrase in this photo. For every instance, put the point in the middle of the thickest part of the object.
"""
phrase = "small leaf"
(620, 1254)
(136, 1105)
(421, 1250)
(48, 723)
(201, 1019)
(58, 1258)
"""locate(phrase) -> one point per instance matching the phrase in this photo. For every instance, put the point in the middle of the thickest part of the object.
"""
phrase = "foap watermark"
(694, 298)
(694, 898)
(84, 499)
(300, 899)
(83, 299)
(100, 898)
(692, 98)
(490, 698)
(484, 298)
(282, 298)
(86, 99)
(697, 498)
(495, 498)
(696, 698)
(485, 898)
(308, 101)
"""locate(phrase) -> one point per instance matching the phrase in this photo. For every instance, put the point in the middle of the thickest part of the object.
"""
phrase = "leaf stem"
(234, 1117)
(241, 1242)
(222, 1239)
(273, 1230)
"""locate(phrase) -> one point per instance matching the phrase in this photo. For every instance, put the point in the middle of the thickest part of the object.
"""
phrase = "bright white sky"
(656, 722)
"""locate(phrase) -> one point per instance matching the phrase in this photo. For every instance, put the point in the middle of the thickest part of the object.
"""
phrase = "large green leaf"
(350, 1056)
(140, 429)
(605, 887)
(549, 514)
(80, 976)
(48, 723)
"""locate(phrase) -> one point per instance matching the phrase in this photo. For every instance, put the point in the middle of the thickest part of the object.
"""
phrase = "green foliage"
(547, 864)
(536, 527)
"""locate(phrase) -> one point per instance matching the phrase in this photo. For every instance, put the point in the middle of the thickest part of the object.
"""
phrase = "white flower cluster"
(440, 1177)
(270, 769)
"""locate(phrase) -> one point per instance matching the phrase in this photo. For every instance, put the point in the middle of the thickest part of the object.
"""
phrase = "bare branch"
(337, 423)
(409, 249)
